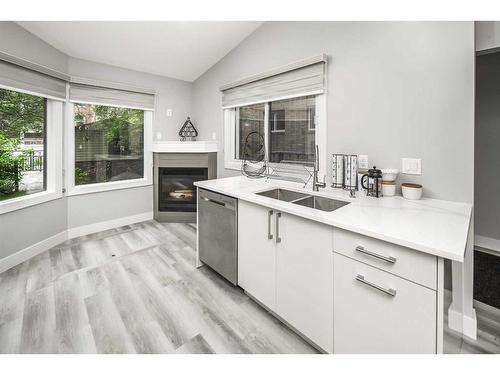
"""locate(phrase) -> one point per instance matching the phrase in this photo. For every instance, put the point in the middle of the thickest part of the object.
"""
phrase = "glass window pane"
(292, 130)
(22, 144)
(249, 119)
(109, 144)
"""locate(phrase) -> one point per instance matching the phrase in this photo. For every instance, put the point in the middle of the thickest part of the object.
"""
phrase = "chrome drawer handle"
(388, 259)
(269, 216)
(388, 291)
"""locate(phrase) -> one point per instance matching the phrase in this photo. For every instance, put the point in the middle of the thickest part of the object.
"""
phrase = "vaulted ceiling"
(182, 50)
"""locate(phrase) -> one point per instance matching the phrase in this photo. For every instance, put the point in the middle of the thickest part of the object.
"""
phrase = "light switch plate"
(169, 113)
(411, 166)
(158, 135)
(363, 161)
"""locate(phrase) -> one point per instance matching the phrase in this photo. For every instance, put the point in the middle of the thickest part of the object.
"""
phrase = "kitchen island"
(389, 245)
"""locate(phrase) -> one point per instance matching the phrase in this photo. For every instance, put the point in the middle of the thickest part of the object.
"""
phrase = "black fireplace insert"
(176, 192)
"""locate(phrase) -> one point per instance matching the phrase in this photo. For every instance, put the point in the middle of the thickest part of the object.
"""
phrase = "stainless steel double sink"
(304, 199)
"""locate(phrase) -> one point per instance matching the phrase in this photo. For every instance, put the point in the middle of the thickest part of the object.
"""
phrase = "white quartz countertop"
(432, 226)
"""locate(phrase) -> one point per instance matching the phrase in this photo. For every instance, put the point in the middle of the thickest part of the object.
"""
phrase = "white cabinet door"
(304, 278)
(257, 252)
(369, 320)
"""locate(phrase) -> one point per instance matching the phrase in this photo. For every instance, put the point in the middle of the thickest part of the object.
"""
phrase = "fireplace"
(176, 192)
(174, 175)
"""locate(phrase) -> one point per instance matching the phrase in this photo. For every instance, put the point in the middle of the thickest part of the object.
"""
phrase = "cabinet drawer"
(410, 264)
(369, 320)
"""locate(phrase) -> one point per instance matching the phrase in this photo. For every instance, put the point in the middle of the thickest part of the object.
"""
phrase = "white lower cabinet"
(341, 304)
(377, 312)
(304, 278)
(286, 263)
(257, 253)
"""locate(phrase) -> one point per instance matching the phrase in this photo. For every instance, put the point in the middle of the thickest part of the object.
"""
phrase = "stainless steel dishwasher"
(218, 233)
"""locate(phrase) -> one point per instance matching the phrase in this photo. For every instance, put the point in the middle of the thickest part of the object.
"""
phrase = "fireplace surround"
(174, 192)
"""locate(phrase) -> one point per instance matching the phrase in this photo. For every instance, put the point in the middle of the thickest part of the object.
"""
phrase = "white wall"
(20, 43)
(93, 208)
(395, 89)
(487, 35)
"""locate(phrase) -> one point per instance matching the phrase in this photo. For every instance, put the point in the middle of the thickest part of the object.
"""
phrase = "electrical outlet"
(169, 112)
(158, 135)
(363, 161)
(411, 166)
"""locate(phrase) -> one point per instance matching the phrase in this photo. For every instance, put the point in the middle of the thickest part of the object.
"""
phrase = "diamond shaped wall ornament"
(188, 131)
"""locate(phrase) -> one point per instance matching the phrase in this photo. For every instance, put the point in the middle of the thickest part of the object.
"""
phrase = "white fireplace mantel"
(185, 146)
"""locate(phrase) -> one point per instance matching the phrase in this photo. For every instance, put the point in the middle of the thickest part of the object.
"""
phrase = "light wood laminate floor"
(135, 289)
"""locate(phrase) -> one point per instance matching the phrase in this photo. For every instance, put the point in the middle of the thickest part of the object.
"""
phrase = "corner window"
(23, 144)
(109, 144)
(288, 128)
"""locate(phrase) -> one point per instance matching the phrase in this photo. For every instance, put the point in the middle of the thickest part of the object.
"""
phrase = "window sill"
(108, 186)
(26, 201)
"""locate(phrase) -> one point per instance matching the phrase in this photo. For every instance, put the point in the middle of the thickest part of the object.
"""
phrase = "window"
(250, 119)
(288, 129)
(109, 144)
(23, 144)
(311, 118)
(277, 121)
(290, 138)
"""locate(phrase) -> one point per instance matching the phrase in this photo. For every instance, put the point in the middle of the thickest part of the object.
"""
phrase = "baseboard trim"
(467, 325)
(44, 245)
(488, 243)
(31, 251)
(109, 224)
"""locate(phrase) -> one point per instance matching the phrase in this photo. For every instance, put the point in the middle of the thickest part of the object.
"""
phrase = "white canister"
(388, 188)
(412, 191)
(338, 171)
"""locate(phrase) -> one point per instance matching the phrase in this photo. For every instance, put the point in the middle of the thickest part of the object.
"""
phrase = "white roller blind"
(306, 78)
(80, 93)
(30, 81)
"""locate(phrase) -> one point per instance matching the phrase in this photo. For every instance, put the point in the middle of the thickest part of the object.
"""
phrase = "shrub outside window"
(23, 143)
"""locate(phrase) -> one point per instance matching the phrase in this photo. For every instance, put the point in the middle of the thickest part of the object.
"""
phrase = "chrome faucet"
(316, 184)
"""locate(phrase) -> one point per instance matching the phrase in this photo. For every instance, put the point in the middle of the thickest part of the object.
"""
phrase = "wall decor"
(188, 131)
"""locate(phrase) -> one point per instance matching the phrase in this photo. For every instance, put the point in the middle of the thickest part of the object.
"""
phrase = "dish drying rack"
(293, 171)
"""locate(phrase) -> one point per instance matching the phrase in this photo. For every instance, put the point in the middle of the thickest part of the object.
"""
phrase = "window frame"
(311, 120)
(69, 171)
(54, 155)
(231, 133)
(275, 121)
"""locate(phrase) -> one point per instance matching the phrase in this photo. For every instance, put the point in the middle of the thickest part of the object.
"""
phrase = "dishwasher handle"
(213, 201)
(217, 200)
